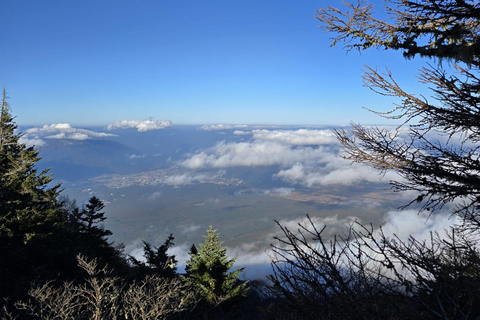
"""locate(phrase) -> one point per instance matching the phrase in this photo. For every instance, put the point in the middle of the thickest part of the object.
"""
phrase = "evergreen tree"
(157, 262)
(40, 234)
(88, 237)
(28, 205)
(208, 271)
(30, 215)
(91, 216)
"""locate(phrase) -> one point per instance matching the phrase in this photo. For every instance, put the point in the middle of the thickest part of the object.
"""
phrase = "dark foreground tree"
(365, 274)
(88, 236)
(29, 212)
(362, 274)
(157, 260)
(104, 296)
(41, 234)
(436, 148)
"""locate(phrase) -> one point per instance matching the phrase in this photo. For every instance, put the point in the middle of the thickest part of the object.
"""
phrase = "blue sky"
(191, 62)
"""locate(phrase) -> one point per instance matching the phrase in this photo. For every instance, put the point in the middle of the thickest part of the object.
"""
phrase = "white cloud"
(140, 125)
(297, 137)
(241, 133)
(213, 127)
(155, 195)
(71, 136)
(306, 157)
(256, 153)
(137, 156)
(280, 191)
(32, 142)
(187, 178)
(417, 224)
(256, 261)
(182, 179)
(186, 229)
(36, 136)
(338, 172)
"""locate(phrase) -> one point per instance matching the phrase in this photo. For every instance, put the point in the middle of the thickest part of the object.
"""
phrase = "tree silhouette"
(365, 274)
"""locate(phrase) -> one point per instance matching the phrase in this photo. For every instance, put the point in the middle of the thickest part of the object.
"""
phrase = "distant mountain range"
(79, 159)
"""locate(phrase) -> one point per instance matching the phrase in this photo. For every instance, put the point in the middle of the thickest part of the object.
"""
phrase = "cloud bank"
(256, 153)
(256, 258)
(36, 136)
(140, 125)
(213, 127)
(305, 157)
(297, 137)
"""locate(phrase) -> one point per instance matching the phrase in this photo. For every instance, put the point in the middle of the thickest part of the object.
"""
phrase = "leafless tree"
(435, 149)
(104, 296)
(363, 274)
(366, 274)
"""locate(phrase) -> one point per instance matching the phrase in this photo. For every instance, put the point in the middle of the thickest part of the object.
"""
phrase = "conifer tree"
(91, 216)
(208, 271)
(28, 205)
(29, 212)
(158, 261)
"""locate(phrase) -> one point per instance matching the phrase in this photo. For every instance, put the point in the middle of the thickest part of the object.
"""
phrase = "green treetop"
(28, 205)
(208, 271)
(30, 215)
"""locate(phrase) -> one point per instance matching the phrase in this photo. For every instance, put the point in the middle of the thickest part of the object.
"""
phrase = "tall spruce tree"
(208, 271)
(28, 204)
(29, 211)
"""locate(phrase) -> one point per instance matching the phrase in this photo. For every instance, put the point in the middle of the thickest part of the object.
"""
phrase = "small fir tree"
(158, 261)
(91, 216)
(207, 271)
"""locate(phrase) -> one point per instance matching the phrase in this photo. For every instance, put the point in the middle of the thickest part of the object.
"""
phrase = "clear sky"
(94, 62)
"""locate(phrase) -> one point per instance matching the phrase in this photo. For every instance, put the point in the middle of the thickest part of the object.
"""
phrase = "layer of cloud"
(137, 156)
(305, 157)
(280, 191)
(256, 153)
(154, 196)
(32, 142)
(36, 136)
(188, 178)
(140, 125)
(297, 137)
(338, 172)
(419, 225)
(213, 127)
(256, 259)
(186, 229)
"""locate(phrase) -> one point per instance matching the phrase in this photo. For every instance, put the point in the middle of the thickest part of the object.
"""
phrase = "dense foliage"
(31, 218)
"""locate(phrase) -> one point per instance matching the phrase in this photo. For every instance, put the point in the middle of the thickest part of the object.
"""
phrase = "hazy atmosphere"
(106, 87)
(177, 159)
